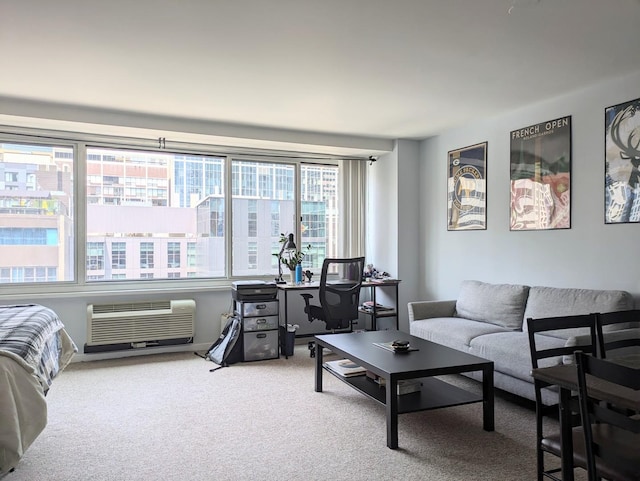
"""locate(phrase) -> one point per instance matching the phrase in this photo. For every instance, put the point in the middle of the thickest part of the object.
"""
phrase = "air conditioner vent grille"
(131, 306)
(140, 321)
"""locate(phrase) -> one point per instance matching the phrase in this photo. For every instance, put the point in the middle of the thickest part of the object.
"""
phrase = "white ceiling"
(372, 68)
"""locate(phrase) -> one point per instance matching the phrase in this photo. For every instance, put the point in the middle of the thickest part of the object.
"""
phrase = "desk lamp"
(289, 246)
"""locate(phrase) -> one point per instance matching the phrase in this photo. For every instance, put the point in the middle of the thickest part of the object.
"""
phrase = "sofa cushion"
(452, 332)
(555, 301)
(511, 354)
(499, 304)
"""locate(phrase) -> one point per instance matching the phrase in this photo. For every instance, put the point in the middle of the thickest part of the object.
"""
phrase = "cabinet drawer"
(258, 309)
(260, 345)
(260, 323)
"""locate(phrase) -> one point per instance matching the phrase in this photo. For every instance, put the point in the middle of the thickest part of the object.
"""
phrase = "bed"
(34, 349)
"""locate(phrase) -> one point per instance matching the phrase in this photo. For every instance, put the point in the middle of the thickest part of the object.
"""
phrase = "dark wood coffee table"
(429, 360)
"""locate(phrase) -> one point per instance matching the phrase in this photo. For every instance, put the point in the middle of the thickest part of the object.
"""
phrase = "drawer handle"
(261, 321)
(261, 306)
(261, 335)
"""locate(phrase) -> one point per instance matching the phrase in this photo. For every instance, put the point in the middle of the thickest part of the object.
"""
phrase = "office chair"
(611, 433)
(547, 350)
(340, 298)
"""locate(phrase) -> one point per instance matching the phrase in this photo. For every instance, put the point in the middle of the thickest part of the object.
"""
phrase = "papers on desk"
(345, 368)
(368, 307)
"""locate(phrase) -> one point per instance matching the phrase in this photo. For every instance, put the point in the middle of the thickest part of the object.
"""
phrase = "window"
(144, 209)
(36, 213)
(252, 226)
(25, 236)
(161, 199)
(253, 219)
(320, 217)
(215, 210)
(95, 256)
(275, 219)
(146, 255)
(173, 254)
(119, 256)
(252, 254)
(191, 254)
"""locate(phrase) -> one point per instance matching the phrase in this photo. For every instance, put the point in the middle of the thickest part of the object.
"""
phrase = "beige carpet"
(167, 417)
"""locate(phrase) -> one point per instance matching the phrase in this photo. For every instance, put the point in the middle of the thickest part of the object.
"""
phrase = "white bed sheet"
(23, 409)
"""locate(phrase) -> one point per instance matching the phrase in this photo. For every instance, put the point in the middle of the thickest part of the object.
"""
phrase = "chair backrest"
(544, 350)
(611, 431)
(621, 333)
(339, 296)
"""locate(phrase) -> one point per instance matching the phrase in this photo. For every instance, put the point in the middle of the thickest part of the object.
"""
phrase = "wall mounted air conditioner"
(128, 325)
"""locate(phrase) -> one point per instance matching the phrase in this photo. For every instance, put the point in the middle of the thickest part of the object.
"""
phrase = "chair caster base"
(312, 349)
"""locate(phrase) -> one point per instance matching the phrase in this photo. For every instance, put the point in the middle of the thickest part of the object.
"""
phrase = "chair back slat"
(545, 325)
(623, 332)
(611, 431)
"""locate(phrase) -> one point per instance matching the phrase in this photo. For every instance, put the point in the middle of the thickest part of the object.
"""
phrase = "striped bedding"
(34, 348)
(28, 331)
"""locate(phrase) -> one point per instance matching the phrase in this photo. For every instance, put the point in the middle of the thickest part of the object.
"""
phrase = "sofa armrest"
(428, 309)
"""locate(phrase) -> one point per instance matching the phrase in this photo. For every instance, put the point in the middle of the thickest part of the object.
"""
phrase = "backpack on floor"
(227, 349)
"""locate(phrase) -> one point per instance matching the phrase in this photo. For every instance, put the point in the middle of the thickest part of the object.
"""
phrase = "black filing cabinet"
(259, 319)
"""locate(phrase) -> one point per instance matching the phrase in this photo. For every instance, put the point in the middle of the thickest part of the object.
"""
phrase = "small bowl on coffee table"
(400, 346)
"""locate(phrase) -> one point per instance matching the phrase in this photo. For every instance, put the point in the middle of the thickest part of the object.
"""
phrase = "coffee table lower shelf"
(435, 393)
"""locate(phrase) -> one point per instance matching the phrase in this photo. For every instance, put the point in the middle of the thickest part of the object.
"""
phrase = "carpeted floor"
(167, 417)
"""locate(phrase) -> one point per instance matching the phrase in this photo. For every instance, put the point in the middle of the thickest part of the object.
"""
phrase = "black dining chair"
(611, 433)
(547, 350)
(623, 332)
(338, 295)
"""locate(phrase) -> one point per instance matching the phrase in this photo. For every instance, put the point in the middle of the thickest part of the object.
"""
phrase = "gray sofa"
(489, 320)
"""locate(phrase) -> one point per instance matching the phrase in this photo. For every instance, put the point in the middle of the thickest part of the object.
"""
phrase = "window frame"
(80, 142)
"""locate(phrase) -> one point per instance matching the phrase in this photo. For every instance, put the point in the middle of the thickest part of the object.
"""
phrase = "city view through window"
(157, 215)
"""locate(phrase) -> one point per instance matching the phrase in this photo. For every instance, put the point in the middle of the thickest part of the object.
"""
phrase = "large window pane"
(150, 207)
(319, 190)
(260, 215)
(36, 213)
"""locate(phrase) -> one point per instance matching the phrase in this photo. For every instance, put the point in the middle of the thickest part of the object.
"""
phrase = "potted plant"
(291, 257)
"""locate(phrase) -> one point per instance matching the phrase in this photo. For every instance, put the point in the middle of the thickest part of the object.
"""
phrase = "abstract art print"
(622, 163)
(467, 188)
(541, 176)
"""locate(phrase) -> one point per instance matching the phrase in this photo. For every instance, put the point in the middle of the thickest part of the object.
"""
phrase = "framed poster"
(622, 161)
(541, 176)
(467, 188)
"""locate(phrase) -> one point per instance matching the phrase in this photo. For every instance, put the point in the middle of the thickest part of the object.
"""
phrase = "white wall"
(589, 255)
(392, 213)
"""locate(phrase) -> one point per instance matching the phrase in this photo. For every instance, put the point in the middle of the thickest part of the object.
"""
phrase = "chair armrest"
(428, 309)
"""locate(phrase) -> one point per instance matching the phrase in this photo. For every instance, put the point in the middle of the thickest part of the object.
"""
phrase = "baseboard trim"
(82, 357)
